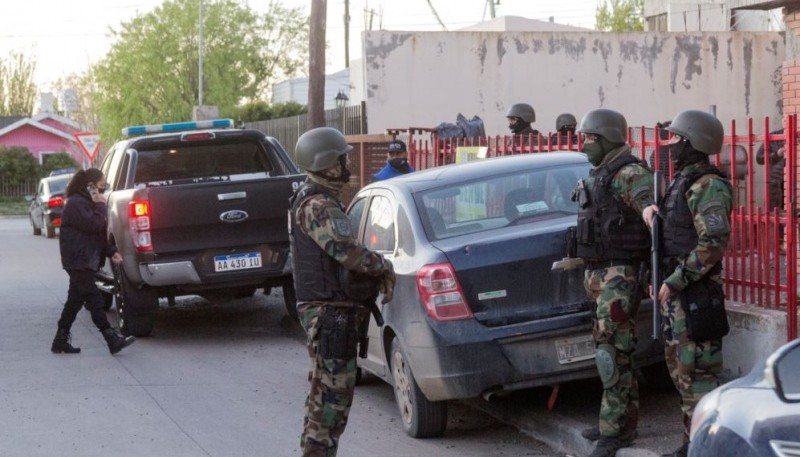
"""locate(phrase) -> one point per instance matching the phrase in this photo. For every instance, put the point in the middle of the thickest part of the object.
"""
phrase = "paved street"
(214, 380)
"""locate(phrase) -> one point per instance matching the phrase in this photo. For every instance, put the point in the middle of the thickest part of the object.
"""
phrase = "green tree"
(17, 165)
(620, 16)
(150, 75)
(57, 161)
(262, 111)
(17, 90)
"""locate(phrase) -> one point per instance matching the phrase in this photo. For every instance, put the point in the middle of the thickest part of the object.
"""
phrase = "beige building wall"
(420, 79)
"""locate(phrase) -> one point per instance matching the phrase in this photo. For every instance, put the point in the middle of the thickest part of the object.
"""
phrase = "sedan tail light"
(139, 225)
(55, 202)
(441, 293)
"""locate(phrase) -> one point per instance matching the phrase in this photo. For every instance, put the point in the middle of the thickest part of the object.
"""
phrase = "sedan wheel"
(36, 230)
(421, 418)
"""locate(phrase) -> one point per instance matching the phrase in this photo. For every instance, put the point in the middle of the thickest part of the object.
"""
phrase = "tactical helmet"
(564, 120)
(318, 149)
(523, 111)
(607, 123)
(703, 131)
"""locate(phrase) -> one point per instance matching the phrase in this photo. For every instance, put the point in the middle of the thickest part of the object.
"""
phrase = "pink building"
(42, 134)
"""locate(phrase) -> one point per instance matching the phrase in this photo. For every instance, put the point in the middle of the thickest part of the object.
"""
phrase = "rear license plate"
(235, 262)
(570, 350)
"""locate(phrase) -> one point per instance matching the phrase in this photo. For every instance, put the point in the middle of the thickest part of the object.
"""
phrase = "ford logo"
(234, 215)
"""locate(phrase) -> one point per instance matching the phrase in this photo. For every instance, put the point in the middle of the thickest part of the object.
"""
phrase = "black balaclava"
(684, 154)
(518, 126)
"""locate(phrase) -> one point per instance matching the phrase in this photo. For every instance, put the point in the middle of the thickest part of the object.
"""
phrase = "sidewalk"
(576, 408)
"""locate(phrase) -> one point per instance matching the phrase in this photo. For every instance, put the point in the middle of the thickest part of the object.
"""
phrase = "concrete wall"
(423, 78)
(755, 333)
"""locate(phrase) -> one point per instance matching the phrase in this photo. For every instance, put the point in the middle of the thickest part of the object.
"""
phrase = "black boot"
(61, 343)
(682, 451)
(607, 446)
(116, 342)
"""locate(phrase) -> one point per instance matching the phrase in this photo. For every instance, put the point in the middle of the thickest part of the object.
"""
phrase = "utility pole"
(347, 33)
(316, 64)
(491, 8)
(200, 58)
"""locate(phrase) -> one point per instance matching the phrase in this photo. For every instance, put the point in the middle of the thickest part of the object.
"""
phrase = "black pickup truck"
(196, 208)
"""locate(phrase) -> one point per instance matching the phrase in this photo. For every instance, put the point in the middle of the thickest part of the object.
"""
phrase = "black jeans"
(83, 292)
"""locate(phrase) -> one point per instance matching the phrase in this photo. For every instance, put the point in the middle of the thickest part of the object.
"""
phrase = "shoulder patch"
(340, 223)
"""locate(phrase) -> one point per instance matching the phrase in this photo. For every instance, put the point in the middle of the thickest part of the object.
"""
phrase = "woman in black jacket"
(84, 246)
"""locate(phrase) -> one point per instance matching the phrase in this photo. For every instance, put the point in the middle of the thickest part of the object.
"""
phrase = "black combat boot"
(116, 342)
(682, 451)
(61, 343)
(607, 446)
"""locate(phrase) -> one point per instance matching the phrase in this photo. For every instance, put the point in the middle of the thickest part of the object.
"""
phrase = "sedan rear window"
(501, 200)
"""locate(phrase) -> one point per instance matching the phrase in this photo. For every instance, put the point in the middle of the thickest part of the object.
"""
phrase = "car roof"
(449, 174)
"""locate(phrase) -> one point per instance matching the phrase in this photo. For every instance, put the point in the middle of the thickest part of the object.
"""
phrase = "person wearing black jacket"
(84, 246)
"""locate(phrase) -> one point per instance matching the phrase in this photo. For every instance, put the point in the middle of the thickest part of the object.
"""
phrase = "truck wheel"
(36, 230)
(135, 307)
(421, 417)
(290, 300)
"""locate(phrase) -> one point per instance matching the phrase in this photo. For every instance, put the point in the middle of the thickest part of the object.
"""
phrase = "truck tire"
(108, 300)
(290, 300)
(135, 307)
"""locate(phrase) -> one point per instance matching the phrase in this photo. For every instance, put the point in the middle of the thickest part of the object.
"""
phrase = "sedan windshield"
(501, 200)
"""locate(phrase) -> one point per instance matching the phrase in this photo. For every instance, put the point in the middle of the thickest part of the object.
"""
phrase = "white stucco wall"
(424, 78)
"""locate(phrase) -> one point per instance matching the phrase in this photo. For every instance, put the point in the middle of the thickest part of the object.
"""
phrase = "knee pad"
(606, 360)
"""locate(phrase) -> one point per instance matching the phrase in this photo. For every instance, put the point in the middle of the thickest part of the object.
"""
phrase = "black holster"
(703, 303)
(337, 333)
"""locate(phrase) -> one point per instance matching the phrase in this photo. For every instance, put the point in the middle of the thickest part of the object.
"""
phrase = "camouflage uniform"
(322, 217)
(614, 321)
(694, 365)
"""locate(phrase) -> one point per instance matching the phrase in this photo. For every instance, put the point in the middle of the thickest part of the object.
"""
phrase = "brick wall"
(791, 70)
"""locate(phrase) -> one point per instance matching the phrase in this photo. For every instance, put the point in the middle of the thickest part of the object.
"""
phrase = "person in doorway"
(777, 164)
(84, 245)
(696, 227)
(324, 254)
(614, 243)
(396, 162)
(565, 131)
(520, 117)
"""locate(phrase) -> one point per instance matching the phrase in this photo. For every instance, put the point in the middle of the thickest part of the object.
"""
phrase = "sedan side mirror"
(783, 372)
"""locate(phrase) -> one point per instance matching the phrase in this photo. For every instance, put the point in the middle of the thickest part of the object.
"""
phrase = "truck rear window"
(185, 163)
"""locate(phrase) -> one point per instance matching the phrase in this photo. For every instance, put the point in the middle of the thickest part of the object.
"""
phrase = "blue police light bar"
(177, 127)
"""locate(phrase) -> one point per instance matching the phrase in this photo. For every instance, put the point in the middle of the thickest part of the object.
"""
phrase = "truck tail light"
(55, 202)
(139, 224)
(441, 293)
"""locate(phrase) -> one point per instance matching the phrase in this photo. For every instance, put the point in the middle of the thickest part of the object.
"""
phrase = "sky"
(67, 37)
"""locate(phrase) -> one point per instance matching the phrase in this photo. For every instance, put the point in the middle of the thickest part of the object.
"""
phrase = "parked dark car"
(47, 204)
(757, 415)
(477, 308)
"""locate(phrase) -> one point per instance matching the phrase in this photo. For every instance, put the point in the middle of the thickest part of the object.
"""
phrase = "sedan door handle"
(231, 196)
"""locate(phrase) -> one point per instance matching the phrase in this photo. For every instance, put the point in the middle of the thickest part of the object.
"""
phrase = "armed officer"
(695, 215)
(520, 117)
(324, 256)
(614, 243)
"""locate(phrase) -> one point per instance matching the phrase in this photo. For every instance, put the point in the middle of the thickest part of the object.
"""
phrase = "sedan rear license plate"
(235, 262)
(570, 350)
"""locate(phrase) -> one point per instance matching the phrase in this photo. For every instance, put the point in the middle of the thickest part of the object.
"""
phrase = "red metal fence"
(760, 267)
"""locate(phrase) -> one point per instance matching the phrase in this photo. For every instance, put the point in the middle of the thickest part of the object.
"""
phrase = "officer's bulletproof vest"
(608, 229)
(316, 274)
(678, 235)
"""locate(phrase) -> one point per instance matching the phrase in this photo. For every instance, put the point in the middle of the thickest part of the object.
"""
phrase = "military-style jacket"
(610, 226)
(322, 243)
(696, 212)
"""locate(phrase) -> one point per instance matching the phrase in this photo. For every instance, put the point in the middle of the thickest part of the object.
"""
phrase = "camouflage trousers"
(614, 323)
(693, 366)
(331, 394)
